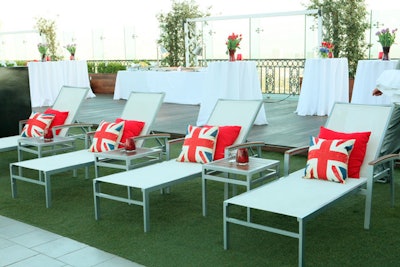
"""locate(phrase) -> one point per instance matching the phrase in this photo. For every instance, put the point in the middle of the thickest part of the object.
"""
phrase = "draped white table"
(230, 80)
(181, 87)
(367, 74)
(325, 81)
(47, 78)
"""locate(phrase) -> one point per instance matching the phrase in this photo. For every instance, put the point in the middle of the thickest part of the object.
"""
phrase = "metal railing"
(277, 76)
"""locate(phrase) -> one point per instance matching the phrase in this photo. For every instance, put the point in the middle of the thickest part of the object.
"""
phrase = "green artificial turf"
(181, 236)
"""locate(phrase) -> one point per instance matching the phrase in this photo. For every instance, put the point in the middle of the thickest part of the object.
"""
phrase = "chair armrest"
(89, 138)
(386, 171)
(21, 124)
(250, 145)
(161, 138)
(152, 136)
(288, 154)
(385, 158)
(73, 125)
(173, 142)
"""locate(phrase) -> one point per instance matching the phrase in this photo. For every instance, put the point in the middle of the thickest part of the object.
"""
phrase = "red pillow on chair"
(358, 153)
(132, 128)
(59, 119)
(227, 135)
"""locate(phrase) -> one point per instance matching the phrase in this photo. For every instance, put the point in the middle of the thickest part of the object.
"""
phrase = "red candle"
(242, 156)
(380, 55)
(239, 56)
(130, 144)
(48, 134)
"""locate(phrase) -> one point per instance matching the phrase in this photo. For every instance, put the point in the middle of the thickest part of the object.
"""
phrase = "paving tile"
(39, 261)
(118, 261)
(59, 247)
(87, 256)
(35, 238)
(15, 253)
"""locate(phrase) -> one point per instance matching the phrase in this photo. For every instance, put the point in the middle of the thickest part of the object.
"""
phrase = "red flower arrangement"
(233, 42)
(326, 50)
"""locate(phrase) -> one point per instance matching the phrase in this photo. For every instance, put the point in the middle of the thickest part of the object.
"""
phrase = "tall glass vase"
(386, 50)
(232, 55)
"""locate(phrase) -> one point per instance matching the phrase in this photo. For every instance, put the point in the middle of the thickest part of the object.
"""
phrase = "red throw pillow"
(59, 119)
(132, 128)
(360, 147)
(227, 135)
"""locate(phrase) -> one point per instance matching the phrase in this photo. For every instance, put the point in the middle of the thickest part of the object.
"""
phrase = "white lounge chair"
(167, 173)
(140, 106)
(301, 198)
(69, 99)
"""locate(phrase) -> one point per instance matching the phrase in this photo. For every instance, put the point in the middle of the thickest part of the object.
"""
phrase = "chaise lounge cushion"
(360, 147)
(59, 119)
(36, 124)
(199, 144)
(107, 136)
(227, 135)
(132, 128)
(328, 159)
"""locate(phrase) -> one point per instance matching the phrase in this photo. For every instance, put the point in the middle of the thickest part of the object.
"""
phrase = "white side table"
(41, 147)
(256, 171)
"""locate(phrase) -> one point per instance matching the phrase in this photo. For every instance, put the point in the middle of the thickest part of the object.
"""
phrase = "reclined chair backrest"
(362, 118)
(236, 113)
(143, 107)
(70, 99)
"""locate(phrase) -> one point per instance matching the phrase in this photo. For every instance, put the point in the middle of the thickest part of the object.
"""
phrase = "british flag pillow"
(328, 159)
(107, 136)
(36, 124)
(199, 144)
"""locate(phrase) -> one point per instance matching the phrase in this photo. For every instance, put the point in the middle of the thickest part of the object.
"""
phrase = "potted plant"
(103, 75)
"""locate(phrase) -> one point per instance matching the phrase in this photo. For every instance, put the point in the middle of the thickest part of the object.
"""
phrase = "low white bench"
(48, 166)
(148, 179)
(292, 196)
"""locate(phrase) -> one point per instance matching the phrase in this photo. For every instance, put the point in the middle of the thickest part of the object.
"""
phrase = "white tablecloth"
(325, 81)
(367, 73)
(230, 80)
(389, 83)
(182, 87)
(47, 78)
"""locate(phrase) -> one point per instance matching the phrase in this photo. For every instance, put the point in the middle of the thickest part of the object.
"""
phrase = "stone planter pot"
(102, 83)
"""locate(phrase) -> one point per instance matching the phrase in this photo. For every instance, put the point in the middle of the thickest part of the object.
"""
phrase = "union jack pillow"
(107, 136)
(199, 144)
(328, 159)
(36, 124)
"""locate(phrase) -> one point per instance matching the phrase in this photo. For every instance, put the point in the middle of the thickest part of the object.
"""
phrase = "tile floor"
(24, 245)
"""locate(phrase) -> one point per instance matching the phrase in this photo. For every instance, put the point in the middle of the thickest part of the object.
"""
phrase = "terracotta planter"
(102, 83)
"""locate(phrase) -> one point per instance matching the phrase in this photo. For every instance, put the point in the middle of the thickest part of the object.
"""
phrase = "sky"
(84, 21)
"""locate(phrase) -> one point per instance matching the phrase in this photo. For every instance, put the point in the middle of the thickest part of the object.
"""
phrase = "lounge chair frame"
(303, 199)
(47, 166)
(168, 173)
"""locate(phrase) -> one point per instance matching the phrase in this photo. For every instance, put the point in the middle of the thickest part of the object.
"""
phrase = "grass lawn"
(181, 236)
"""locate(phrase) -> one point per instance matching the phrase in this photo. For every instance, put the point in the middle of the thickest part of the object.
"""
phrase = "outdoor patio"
(180, 235)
